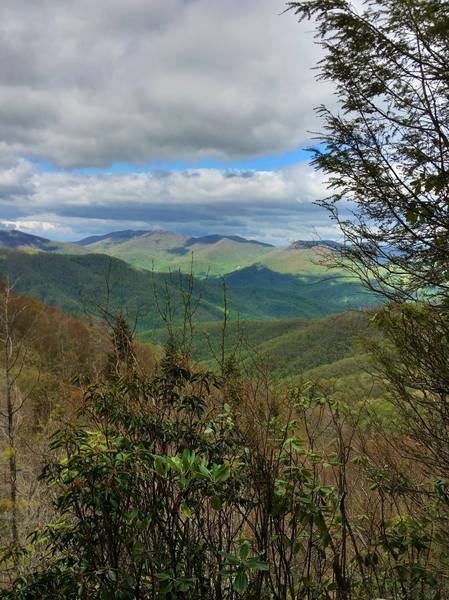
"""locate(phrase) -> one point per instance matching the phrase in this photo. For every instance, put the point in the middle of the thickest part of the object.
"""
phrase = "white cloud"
(35, 227)
(274, 205)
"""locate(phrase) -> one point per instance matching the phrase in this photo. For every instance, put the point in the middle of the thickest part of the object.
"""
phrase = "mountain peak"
(117, 236)
(307, 244)
(13, 238)
(214, 238)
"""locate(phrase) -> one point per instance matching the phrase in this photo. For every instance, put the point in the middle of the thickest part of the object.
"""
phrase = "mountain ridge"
(120, 235)
(74, 282)
(14, 239)
(209, 255)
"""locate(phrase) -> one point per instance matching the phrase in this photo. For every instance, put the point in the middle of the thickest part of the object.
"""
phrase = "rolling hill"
(210, 255)
(328, 350)
(77, 283)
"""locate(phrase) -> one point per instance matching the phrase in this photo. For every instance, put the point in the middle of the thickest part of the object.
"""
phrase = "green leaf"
(221, 473)
(322, 528)
(240, 582)
(257, 565)
(244, 549)
(204, 471)
(161, 466)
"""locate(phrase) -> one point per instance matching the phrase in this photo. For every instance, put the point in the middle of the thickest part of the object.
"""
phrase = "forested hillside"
(211, 255)
(78, 284)
(333, 352)
(290, 346)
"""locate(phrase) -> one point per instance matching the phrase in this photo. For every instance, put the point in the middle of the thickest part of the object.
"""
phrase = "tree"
(385, 152)
(165, 491)
(385, 149)
(15, 343)
(415, 361)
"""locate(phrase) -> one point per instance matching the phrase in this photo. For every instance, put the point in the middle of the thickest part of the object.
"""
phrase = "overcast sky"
(188, 115)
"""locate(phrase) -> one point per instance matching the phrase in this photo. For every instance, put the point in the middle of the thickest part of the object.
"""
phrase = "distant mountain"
(115, 236)
(303, 244)
(14, 239)
(128, 234)
(211, 255)
(213, 239)
(165, 250)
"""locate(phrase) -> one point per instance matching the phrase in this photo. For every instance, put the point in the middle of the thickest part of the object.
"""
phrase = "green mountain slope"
(300, 260)
(13, 239)
(318, 295)
(78, 283)
(331, 351)
(163, 250)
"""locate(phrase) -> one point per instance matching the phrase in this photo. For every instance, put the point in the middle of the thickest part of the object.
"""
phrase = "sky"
(186, 115)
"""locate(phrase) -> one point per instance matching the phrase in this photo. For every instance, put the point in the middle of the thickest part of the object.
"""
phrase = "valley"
(288, 310)
(129, 270)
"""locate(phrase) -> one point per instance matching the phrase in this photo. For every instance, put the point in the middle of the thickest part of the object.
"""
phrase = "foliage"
(186, 484)
(386, 151)
(80, 284)
(387, 148)
(414, 358)
(48, 351)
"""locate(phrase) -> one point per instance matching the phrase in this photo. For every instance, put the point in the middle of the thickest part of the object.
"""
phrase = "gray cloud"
(273, 205)
(94, 82)
(91, 82)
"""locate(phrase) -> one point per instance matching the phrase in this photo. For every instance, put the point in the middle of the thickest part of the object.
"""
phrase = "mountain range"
(113, 271)
(211, 254)
(164, 250)
(299, 313)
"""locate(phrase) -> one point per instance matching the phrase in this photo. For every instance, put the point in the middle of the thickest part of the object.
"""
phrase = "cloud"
(92, 82)
(89, 83)
(35, 227)
(273, 205)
